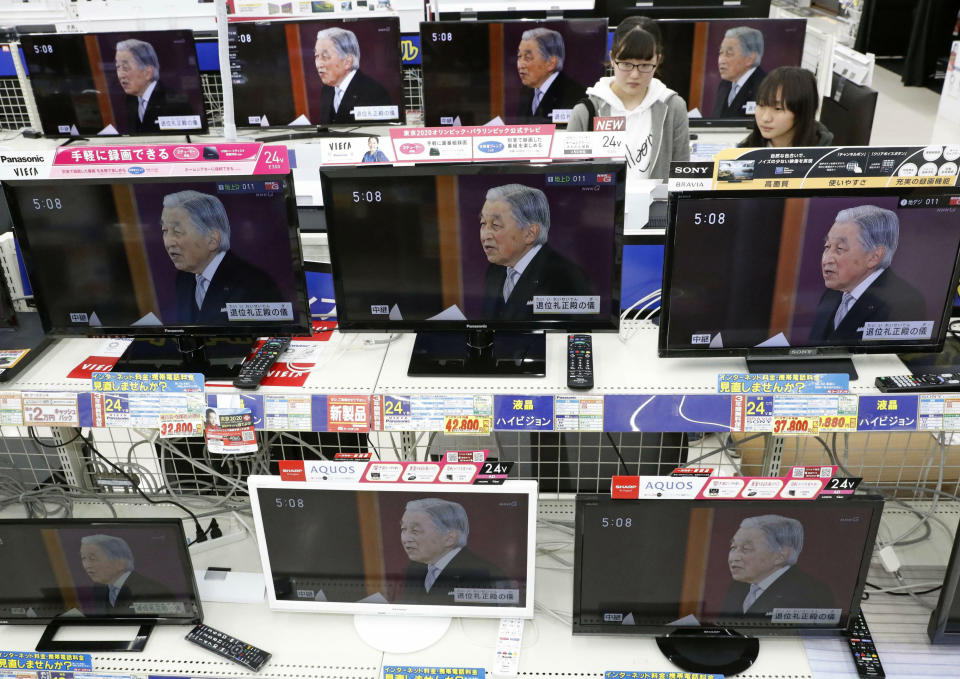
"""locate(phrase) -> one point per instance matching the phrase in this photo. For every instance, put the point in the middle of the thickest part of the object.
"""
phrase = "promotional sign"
(229, 431)
(57, 662)
(784, 383)
(171, 402)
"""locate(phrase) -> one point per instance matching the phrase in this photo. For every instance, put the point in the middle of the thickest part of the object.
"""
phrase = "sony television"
(397, 554)
(304, 74)
(848, 112)
(704, 59)
(618, 10)
(686, 569)
(428, 248)
(95, 572)
(125, 83)
(944, 625)
(763, 274)
(122, 257)
(475, 72)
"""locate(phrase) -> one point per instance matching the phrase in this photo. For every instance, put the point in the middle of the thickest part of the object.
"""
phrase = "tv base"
(47, 642)
(400, 634)
(215, 357)
(713, 650)
(482, 353)
(27, 335)
(817, 364)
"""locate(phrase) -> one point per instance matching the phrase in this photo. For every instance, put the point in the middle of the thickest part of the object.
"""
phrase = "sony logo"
(21, 159)
(691, 169)
(802, 352)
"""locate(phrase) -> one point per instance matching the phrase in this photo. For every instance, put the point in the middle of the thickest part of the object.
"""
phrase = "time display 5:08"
(367, 196)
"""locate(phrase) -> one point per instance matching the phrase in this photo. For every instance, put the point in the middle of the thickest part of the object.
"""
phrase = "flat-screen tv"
(177, 257)
(131, 82)
(944, 625)
(806, 273)
(705, 60)
(397, 548)
(618, 10)
(451, 250)
(848, 112)
(91, 571)
(762, 567)
(303, 73)
(517, 71)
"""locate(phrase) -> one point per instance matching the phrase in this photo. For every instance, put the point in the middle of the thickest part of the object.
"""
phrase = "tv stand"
(400, 634)
(319, 132)
(810, 364)
(481, 353)
(715, 650)
(47, 642)
(215, 357)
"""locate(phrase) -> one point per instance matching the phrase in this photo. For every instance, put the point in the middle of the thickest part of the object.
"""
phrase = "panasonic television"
(120, 257)
(944, 625)
(475, 72)
(618, 10)
(290, 73)
(367, 548)
(129, 83)
(60, 572)
(427, 248)
(685, 567)
(762, 274)
(848, 112)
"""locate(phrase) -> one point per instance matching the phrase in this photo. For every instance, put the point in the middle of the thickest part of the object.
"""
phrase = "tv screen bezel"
(770, 629)
(610, 323)
(173, 330)
(258, 484)
(183, 555)
(664, 351)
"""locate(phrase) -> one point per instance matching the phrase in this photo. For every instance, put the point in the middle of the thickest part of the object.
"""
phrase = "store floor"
(907, 115)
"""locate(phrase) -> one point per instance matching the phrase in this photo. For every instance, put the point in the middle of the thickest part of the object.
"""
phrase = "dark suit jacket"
(549, 273)
(362, 91)
(235, 280)
(162, 102)
(747, 93)
(793, 589)
(889, 298)
(563, 93)
(136, 589)
(465, 570)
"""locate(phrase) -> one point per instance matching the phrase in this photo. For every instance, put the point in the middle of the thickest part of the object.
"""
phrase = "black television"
(762, 274)
(685, 569)
(944, 625)
(701, 62)
(476, 71)
(848, 112)
(21, 335)
(122, 257)
(134, 572)
(129, 83)
(618, 10)
(426, 249)
(291, 73)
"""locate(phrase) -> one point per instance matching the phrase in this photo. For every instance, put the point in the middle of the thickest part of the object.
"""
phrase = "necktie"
(510, 283)
(537, 96)
(432, 574)
(201, 290)
(114, 592)
(752, 596)
(733, 93)
(337, 98)
(842, 310)
(141, 107)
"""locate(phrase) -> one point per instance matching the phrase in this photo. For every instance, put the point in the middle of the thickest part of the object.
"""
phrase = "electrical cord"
(894, 591)
(616, 449)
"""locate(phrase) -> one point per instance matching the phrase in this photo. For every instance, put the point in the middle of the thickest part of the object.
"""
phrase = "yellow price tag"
(180, 424)
(471, 424)
(796, 426)
(838, 423)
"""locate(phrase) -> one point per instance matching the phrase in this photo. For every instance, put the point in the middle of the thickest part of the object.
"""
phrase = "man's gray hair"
(878, 226)
(206, 212)
(751, 41)
(528, 206)
(344, 41)
(549, 42)
(143, 53)
(446, 516)
(781, 532)
(114, 547)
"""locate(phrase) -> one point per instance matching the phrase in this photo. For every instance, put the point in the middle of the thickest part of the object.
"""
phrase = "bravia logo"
(490, 146)
(136, 170)
(21, 159)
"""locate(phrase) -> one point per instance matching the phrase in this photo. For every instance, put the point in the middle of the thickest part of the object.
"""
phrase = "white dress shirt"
(436, 568)
(856, 294)
(204, 279)
(738, 85)
(113, 589)
(339, 90)
(514, 272)
(758, 588)
(144, 99)
(540, 92)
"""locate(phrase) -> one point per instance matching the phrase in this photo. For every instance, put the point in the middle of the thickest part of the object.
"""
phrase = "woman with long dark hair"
(786, 111)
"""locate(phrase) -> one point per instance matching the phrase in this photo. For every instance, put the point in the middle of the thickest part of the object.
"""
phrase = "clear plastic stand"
(400, 634)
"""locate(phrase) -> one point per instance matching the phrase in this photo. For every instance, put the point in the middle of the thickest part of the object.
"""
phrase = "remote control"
(579, 362)
(926, 382)
(255, 369)
(864, 652)
(229, 647)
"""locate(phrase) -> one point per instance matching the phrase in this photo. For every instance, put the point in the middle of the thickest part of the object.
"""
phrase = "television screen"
(848, 112)
(717, 66)
(135, 83)
(433, 247)
(944, 626)
(96, 569)
(519, 71)
(154, 256)
(293, 73)
(868, 270)
(465, 551)
(764, 566)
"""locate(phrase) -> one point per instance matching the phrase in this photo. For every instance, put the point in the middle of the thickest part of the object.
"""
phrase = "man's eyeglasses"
(626, 67)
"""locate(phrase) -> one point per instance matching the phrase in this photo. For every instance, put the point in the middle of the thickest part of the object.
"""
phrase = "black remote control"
(926, 382)
(579, 362)
(254, 370)
(229, 647)
(864, 652)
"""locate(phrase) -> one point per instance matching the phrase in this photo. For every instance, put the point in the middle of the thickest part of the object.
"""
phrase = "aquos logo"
(136, 170)
(669, 485)
(490, 146)
(411, 149)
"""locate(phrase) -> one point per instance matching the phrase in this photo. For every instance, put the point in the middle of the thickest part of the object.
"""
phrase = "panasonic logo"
(477, 327)
(22, 159)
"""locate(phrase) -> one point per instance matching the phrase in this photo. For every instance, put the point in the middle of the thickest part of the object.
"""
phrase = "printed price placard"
(50, 409)
(180, 424)
(11, 408)
(838, 423)
(467, 425)
(796, 425)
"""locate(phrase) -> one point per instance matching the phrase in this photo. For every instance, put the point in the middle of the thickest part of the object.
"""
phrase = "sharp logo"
(21, 159)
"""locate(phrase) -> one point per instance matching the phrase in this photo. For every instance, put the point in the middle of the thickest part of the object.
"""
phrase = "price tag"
(180, 424)
(467, 425)
(787, 426)
(838, 423)
(50, 409)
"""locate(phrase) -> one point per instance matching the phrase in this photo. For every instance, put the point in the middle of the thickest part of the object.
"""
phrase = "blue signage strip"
(888, 413)
(50, 662)
(667, 412)
(318, 413)
(85, 410)
(522, 413)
